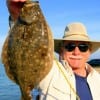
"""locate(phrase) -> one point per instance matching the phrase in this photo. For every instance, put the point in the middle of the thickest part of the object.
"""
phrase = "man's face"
(76, 53)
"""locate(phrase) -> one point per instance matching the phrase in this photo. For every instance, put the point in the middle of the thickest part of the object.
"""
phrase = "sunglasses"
(83, 47)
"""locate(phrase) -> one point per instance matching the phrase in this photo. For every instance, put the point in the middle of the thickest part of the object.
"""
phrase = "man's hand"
(14, 7)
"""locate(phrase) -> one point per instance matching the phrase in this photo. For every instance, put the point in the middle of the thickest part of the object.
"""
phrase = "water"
(8, 89)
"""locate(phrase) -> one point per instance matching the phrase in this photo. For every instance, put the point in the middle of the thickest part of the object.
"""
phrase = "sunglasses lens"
(70, 47)
(83, 47)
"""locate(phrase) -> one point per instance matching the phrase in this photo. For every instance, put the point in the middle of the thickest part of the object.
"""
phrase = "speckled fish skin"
(28, 50)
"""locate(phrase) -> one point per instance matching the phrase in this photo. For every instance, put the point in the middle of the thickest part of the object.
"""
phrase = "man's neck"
(81, 72)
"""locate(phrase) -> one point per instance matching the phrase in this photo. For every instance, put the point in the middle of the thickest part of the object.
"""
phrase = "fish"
(27, 52)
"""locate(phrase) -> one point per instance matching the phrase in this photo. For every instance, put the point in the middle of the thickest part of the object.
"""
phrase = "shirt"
(82, 88)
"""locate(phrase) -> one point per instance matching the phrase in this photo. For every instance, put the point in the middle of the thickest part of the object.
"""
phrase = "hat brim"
(58, 42)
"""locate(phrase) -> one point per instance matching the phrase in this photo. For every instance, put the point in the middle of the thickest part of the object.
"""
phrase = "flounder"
(27, 53)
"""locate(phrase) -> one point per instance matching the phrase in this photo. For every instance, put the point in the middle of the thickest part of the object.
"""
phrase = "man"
(76, 48)
(71, 78)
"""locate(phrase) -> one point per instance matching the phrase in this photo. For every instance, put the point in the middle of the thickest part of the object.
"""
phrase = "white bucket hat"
(76, 32)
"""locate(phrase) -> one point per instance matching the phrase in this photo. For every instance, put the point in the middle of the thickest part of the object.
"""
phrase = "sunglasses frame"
(83, 47)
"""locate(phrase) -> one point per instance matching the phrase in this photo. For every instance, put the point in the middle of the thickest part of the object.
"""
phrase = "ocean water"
(8, 89)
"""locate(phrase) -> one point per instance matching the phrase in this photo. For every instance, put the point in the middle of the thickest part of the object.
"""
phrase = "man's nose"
(76, 50)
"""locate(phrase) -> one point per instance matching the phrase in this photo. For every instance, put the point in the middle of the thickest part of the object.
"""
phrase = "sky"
(58, 14)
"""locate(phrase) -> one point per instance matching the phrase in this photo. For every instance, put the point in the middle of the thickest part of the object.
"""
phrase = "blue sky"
(59, 13)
